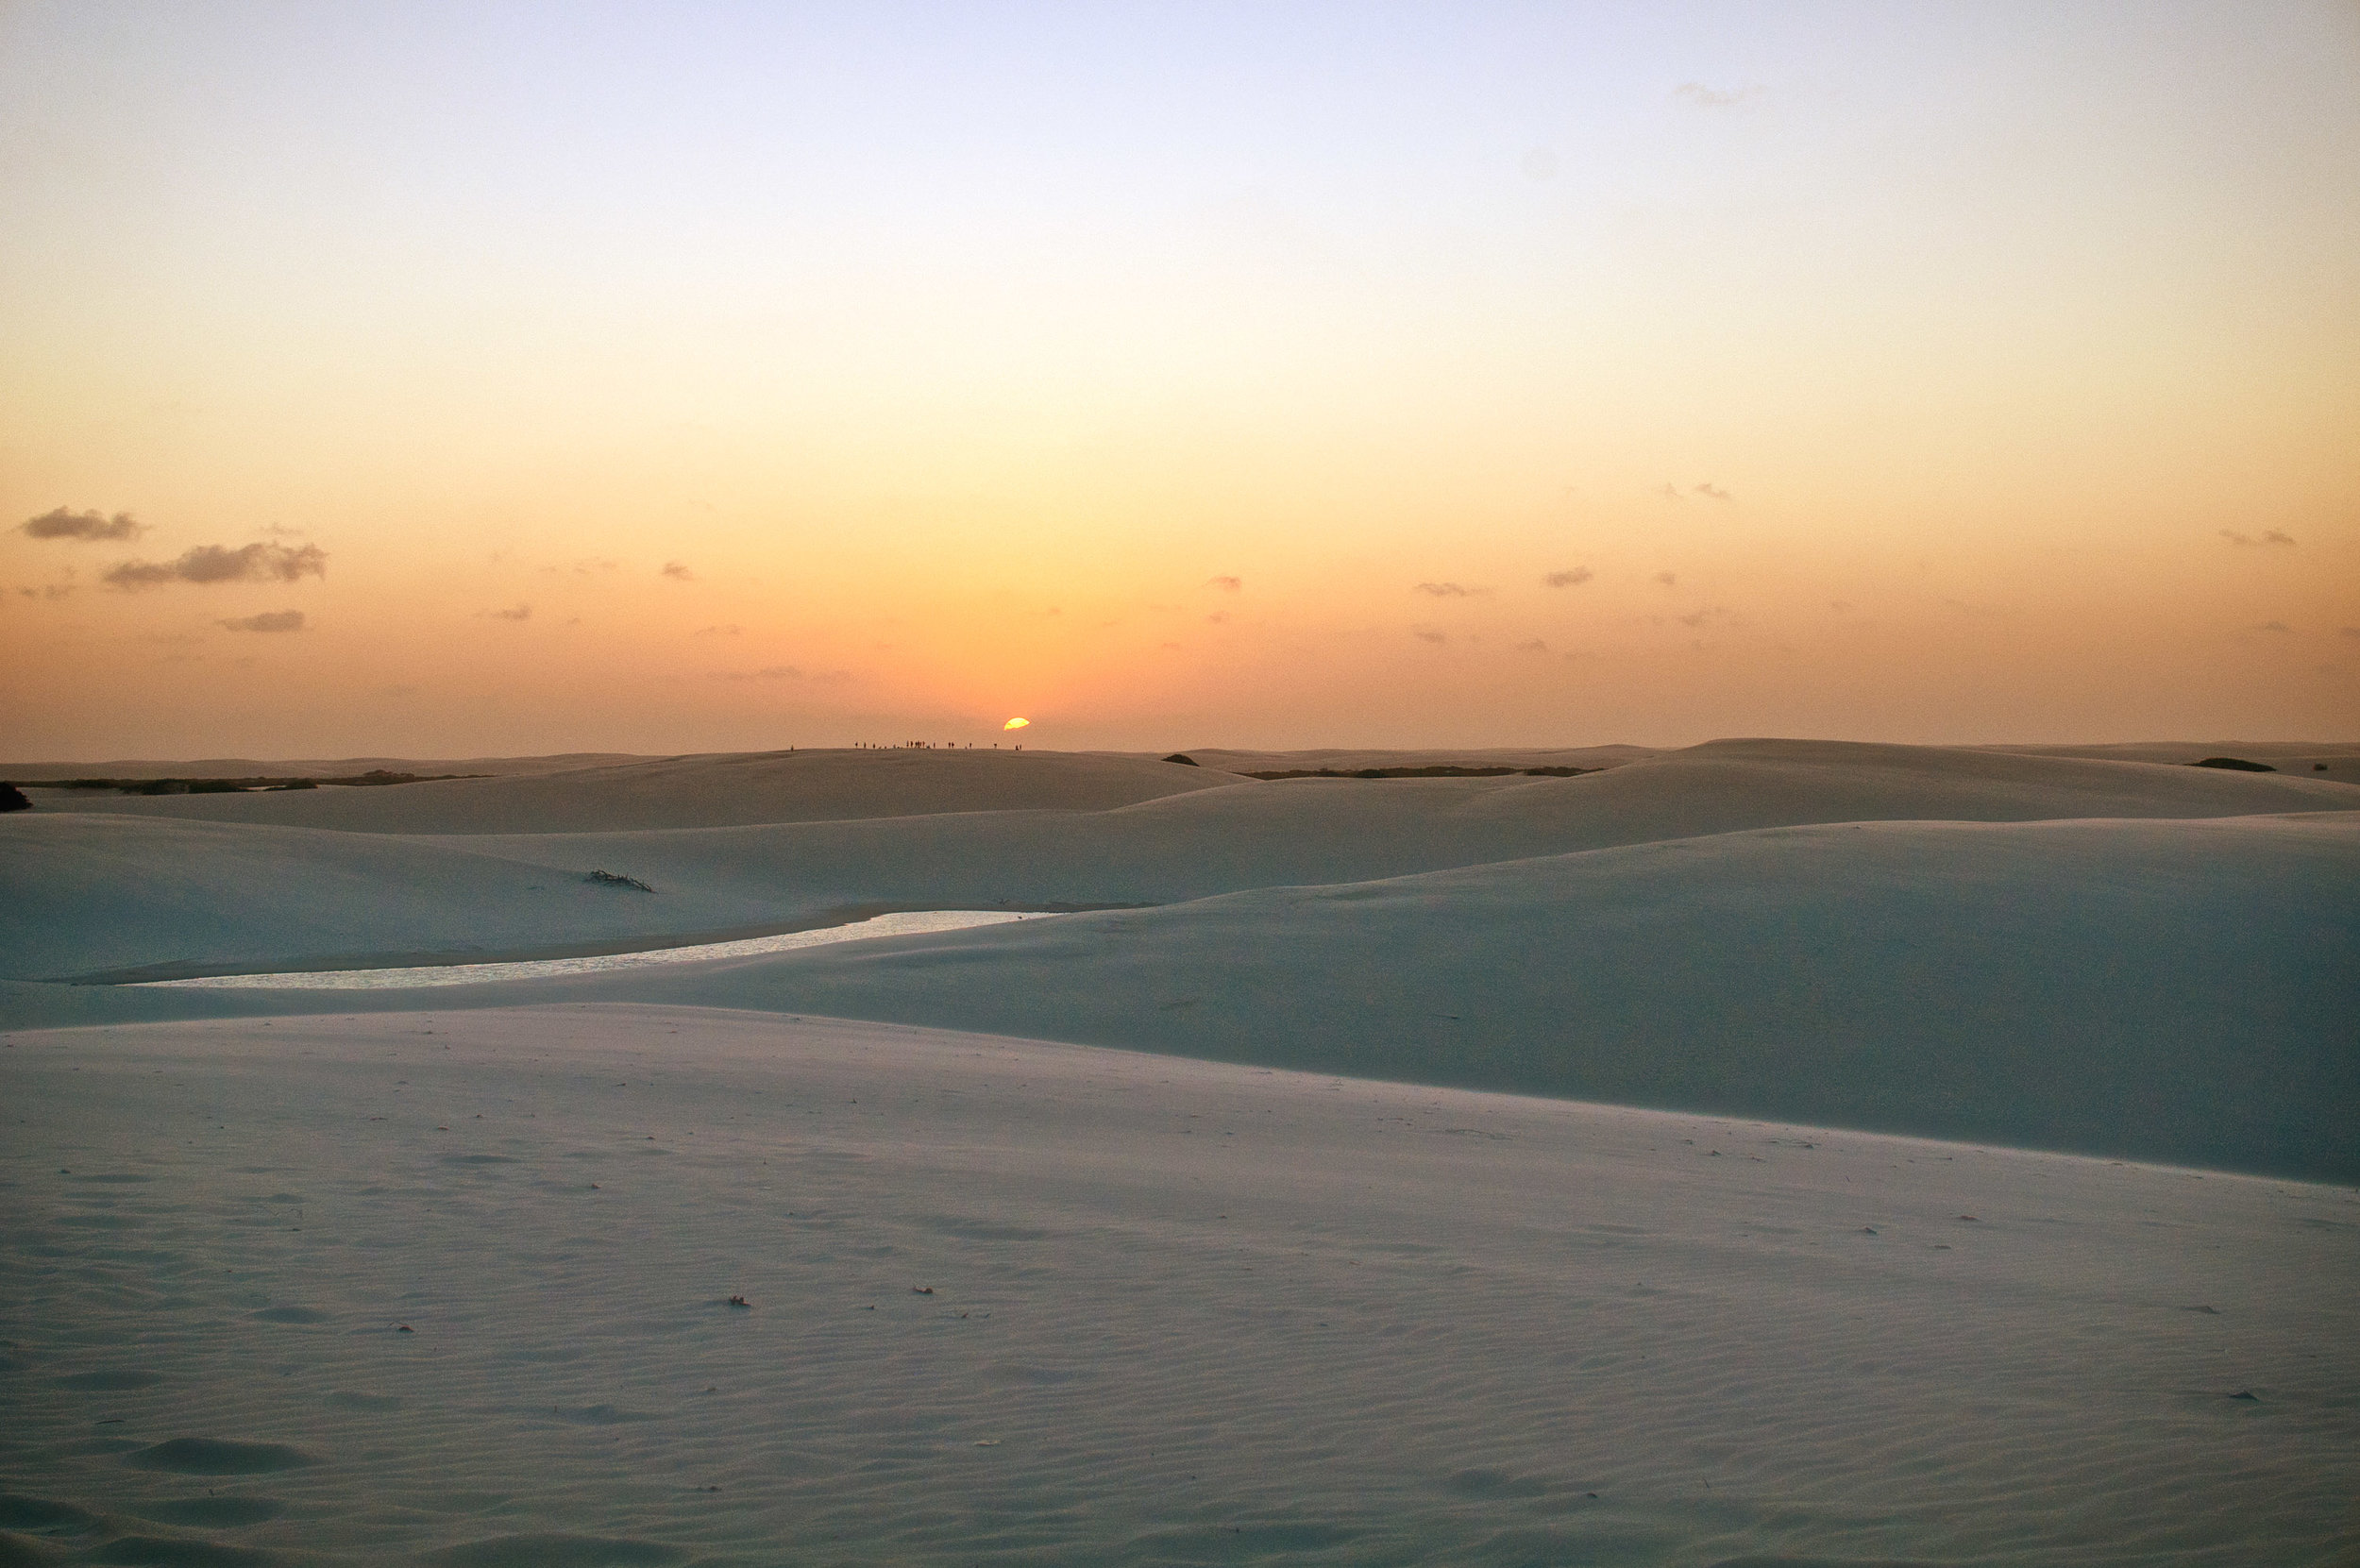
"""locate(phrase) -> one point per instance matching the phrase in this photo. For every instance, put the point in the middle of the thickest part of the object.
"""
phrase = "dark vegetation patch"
(240, 786)
(12, 799)
(2236, 765)
(615, 879)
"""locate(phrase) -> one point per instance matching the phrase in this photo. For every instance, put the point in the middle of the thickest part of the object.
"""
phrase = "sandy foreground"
(1017, 1301)
(1353, 1252)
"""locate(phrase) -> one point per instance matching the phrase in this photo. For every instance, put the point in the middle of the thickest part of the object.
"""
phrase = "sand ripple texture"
(908, 923)
(457, 1289)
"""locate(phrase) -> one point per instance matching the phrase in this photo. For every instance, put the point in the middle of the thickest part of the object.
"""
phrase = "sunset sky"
(466, 379)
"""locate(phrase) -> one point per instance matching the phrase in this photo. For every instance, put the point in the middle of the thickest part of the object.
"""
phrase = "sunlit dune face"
(1017, 724)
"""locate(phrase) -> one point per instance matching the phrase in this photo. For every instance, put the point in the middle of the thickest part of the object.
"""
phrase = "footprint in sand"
(218, 1457)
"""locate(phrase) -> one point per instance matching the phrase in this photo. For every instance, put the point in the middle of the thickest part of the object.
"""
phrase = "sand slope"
(1178, 1313)
(2169, 990)
(2126, 958)
(157, 893)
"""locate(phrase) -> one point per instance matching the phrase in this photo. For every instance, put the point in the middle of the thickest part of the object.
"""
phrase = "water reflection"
(904, 924)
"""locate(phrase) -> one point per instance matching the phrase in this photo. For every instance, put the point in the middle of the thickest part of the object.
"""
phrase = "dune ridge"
(2129, 958)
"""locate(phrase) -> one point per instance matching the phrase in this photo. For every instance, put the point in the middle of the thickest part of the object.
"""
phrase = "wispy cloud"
(2353, 632)
(1431, 636)
(717, 632)
(269, 620)
(1669, 490)
(208, 563)
(782, 672)
(522, 611)
(2245, 541)
(1226, 584)
(1700, 97)
(678, 572)
(1449, 590)
(1535, 646)
(1668, 579)
(2275, 626)
(1712, 492)
(59, 523)
(1573, 577)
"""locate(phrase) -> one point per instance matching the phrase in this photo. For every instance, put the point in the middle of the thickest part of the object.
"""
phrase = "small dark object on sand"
(1970, 1219)
(1868, 1230)
(921, 1290)
(2247, 1395)
(612, 879)
(12, 799)
(404, 1328)
(739, 1300)
(1183, 759)
(2237, 764)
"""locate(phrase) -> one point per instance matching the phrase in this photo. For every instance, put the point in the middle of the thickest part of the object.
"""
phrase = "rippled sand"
(455, 1288)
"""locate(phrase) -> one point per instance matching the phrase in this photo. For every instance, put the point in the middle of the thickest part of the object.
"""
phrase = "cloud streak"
(1449, 590)
(678, 571)
(1226, 584)
(269, 620)
(59, 523)
(211, 564)
(1701, 96)
(1570, 578)
(2275, 537)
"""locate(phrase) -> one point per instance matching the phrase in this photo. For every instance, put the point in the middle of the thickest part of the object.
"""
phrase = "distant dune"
(694, 792)
(2127, 957)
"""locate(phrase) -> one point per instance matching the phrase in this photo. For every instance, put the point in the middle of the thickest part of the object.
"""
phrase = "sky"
(450, 379)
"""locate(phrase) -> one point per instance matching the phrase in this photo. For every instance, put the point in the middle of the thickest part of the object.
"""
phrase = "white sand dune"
(2165, 990)
(2122, 957)
(1013, 1303)
(2336, 761)
(104, 892)
(1184, 1303)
